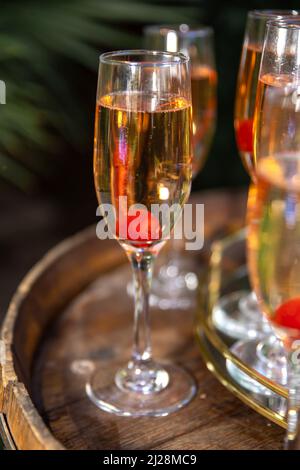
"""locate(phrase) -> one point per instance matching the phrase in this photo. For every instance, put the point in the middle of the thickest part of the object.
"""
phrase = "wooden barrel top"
(72, 312)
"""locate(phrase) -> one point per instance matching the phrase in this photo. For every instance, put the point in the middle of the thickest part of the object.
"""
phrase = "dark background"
(48, 59)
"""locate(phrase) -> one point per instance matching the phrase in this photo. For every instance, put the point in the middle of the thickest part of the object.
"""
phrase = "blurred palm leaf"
(36, 38)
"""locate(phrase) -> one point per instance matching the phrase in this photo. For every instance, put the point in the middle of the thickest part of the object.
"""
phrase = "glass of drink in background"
(177, 281)
(238, 314)
(142, 152)
(274, 207)
(247, 81)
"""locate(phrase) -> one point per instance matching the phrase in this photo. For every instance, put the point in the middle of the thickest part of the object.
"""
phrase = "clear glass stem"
(142, 266)
(292, 441)
(142, 374)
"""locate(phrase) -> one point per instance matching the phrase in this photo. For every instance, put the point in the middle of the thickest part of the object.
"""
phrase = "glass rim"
(188, 30)
(285, 23)
(115, 58)
(275, 13)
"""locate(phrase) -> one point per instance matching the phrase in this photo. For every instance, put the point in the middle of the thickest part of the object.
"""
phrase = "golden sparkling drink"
(277, 116)
(143, 149)
(204, 103)
(274, 240)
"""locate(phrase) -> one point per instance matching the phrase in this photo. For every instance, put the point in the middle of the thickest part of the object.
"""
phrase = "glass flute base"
(266, 356)
(157, 391)
(237, 315)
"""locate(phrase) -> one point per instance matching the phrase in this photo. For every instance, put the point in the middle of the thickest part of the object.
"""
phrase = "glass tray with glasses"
(227, 275)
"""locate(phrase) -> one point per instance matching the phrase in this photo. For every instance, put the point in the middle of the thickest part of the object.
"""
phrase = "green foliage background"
(49, 57)
(44, 46)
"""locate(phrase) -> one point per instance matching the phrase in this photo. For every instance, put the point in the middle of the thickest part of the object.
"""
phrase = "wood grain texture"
(72, 314)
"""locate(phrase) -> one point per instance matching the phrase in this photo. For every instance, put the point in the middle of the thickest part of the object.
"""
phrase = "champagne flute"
(176, 281)
(238, 314)
(142, 154)
(274, 208)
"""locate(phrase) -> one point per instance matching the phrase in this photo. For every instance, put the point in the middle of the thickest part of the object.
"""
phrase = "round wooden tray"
(72, 311)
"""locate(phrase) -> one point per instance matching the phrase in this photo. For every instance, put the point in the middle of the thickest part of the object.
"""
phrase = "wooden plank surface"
(94, 330)
(71, 314)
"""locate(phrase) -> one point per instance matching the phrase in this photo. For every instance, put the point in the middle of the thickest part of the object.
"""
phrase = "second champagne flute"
(274, 209)
(238, 314)
(176, 282)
